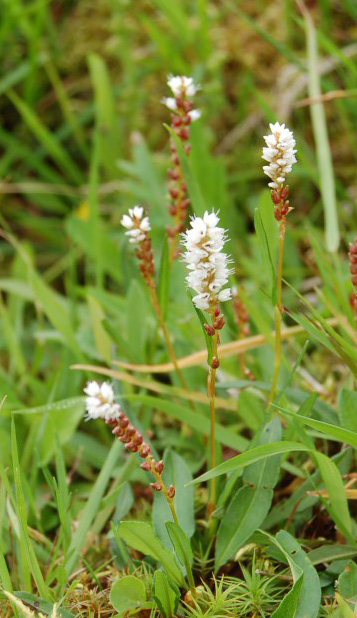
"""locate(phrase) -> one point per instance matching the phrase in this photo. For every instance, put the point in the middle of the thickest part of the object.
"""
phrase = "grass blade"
(319, 125)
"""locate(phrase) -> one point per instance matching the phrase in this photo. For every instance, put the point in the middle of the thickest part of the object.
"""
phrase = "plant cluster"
(216, 477)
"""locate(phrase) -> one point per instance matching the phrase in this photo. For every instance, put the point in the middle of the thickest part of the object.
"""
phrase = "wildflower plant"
(183, 113)
(169, 545)
(100, 404)
(279, 152)
(208, 273)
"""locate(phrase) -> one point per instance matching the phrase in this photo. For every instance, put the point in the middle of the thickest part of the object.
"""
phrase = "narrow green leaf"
(165, 596)
(347, 406)
(140, 536)
(249, 507)
(244, 515)
(39, 605)
(102, 341)
(329, 553)
(319, 125)
(196, 421)
(336, 432)
(180, 543)
(288, 606)
(106, 115)
(29, 552)
(177, 473)
(336, 490)
(91, 507)
(47, 139)
(310, 596)
(347, 584)
(251, 456)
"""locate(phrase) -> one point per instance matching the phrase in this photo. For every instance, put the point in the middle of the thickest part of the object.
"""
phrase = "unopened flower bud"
(130, 446)
(118, 431)
(156, 486)
(138, 439)
(159, 466)
(171, 491)
(219, 323)
(275, 196)
(214, 362)
(145, 450)
(284, 192)
(130, 430)
(183, 134)
(145, 466)
(209, 330)
(125, 422)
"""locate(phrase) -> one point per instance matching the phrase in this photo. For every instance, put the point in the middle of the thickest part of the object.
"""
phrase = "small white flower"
(194, 114)
(136, 224)
(280, 154)
(100, 401)
(170, 102)
(207, 265)
(182, 86)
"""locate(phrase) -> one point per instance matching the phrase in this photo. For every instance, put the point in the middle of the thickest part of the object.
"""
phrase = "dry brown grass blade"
(351, 494)
(156, 387)
(227, 349)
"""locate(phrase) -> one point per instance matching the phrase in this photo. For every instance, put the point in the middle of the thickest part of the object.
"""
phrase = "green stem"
(211, 393)
(278, 314)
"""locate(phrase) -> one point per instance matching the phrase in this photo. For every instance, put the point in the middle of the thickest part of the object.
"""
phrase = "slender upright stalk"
(211, 393)
(279, 152)
(278, 310)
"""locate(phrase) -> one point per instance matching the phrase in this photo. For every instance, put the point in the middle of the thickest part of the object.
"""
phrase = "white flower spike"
(136, 224)
(280, 154)
(206, 263)
(100, 401)
(182, 86)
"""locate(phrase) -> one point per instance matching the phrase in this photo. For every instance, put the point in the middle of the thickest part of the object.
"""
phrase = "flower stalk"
(208, 272)
(280, 154)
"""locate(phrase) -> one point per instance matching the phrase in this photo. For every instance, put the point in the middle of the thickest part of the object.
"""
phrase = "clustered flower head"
(100, 404)
(138, 226)
(206, 263)
(280, 154)
(136, 223)
(183, 113)
(183, 89)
